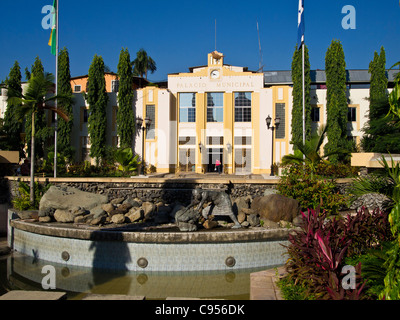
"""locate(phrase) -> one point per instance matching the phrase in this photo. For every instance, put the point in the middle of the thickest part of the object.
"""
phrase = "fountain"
(86, 235)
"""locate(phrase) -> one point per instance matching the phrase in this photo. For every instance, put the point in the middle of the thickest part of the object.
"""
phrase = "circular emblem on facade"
(142, 262)
(230, 262)
(214, 74)
(65, 255)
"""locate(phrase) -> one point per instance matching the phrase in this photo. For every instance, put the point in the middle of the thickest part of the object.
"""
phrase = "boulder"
(276, 207)
(65, 216)
(135, 214)
(254, 220)
(107, 207)
(148, 209)
(117, 200)
(210, 224)
(118, 218)
(66, 198)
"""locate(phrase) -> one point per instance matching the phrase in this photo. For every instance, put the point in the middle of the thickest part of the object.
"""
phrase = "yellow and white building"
(218, 111)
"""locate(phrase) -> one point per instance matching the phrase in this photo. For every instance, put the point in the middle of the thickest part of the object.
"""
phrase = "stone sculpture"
(220, 205)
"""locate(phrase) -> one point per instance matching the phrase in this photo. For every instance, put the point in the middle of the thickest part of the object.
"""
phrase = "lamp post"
(277, 122)
(145, 127)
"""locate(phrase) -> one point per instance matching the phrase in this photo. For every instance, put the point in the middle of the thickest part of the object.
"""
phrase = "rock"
(241, 203)
(65, 198)
(118, 218)
(83, 219)
(248, 211)
(241, 217)
(124, 208)
(254, 220)
(107, 207)
(78, 211)
(117, 201)
(148, 209)
(270, 224)
(276, 207)
(97, 221)
(298, 221)
(98, 211)
(132, 202)
(45, 219)
(65, 216)
(135, 214)
(245, 224)
(210, 224)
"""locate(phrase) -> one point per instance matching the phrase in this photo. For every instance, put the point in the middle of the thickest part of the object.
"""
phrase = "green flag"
(53, 34)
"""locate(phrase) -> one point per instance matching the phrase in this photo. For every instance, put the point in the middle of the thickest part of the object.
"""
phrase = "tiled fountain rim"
(99, 234)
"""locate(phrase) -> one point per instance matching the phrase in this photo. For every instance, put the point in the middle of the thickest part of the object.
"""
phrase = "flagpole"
(56, 105)
(304, 97)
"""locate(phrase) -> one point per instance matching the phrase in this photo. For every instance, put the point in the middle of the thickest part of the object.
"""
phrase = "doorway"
(214, 154)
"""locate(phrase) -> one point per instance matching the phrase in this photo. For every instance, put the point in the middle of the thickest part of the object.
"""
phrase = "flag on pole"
(301, 24)
(53, 34)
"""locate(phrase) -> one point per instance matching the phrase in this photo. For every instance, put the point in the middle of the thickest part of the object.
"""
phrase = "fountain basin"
(135, 249)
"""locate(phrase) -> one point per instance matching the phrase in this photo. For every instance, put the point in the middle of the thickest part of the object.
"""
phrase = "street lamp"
(277, 122)
(145, 127)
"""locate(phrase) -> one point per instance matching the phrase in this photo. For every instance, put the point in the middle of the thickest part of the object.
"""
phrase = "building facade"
(215, 112)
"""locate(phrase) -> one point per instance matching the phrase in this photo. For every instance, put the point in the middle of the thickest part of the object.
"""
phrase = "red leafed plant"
(317, 251)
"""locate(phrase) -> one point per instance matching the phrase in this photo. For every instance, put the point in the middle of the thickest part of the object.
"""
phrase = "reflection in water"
(117, 259)
(22, 274)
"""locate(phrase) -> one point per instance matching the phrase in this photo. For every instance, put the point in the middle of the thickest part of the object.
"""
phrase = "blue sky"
(179, 34)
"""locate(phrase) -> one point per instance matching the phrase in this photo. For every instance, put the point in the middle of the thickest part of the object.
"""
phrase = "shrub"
(299, 183)
(22, 202)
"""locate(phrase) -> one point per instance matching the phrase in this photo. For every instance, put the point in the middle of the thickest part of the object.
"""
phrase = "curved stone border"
(98, 234)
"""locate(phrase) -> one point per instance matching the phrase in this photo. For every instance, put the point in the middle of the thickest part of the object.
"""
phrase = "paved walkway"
(263, 284)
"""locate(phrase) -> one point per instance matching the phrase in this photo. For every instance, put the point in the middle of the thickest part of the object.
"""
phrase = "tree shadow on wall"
(110, 262)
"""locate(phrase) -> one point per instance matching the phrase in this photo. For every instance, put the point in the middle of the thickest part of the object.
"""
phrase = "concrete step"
(33, 295)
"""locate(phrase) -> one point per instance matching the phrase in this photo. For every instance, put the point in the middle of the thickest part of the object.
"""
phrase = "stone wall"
(153, 191)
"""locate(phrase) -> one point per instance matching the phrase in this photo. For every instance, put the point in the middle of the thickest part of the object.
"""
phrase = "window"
(187, 107)
(242, 106)
(215, 107)
(114, 85)
(352, 114)
(85, 115)
(187, 141)
(215, 141)
(77, 88)
(315, 114)
(242, 141)
(280, 112)
(151, 114)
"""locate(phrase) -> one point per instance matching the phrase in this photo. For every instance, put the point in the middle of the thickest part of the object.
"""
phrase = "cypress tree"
(336, 104)
(381, 132)
(97, 99)
(297, 109)
(13, 127)
(125, 117)
(64, 88)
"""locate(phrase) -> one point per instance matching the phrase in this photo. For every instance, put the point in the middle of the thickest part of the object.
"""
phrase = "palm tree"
(310, 152)
(143, 63)
(35, 99)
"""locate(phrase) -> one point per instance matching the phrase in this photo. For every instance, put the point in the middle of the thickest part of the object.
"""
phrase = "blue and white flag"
(301, 24)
